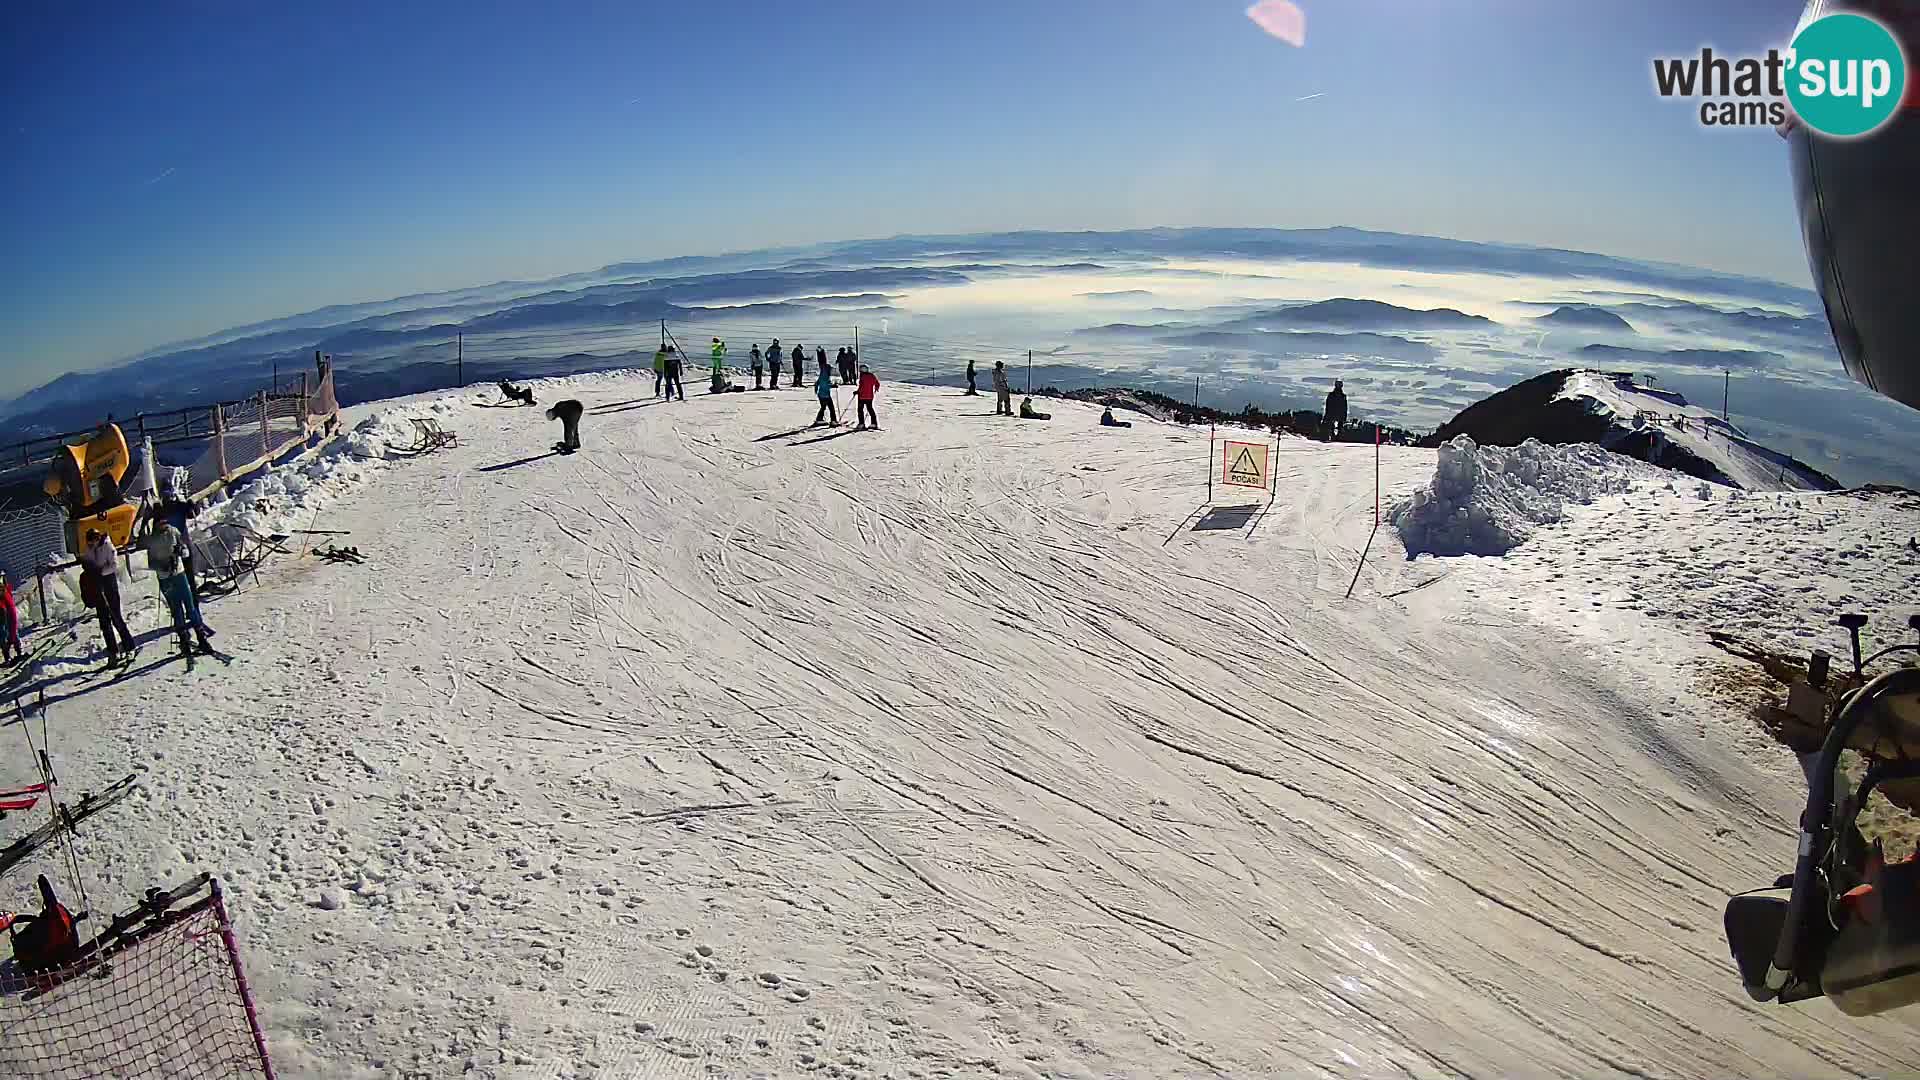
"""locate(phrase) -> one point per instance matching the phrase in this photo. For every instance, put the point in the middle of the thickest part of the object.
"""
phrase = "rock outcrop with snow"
(1656, 426)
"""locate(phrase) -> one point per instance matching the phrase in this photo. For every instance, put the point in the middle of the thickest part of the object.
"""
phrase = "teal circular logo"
(1846, 75)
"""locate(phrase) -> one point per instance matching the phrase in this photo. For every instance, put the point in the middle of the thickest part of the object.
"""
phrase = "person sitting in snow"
(519, 394)
(1028, 412)
(1107, 420)
(568, 413)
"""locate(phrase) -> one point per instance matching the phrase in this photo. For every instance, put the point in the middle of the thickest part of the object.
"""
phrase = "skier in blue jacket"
(823, 388)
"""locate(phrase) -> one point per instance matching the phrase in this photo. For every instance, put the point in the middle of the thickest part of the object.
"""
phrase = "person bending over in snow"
(568, 413)
(869, 386)
(823, 389)
(1107, 420)
(166, 550)
(1028, 412)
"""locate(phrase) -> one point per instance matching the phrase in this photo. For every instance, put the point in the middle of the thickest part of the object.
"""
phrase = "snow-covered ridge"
(1653, 425)
(1664, 419)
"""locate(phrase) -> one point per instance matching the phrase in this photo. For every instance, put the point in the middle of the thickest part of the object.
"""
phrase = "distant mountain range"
(1266, 317)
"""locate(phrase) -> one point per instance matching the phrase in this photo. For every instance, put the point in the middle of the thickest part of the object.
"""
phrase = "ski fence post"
(1209, 464)
(240, 979)
(1029, 371)
(460, 359)
(220, 441)
(266, 434)
(1376, 476)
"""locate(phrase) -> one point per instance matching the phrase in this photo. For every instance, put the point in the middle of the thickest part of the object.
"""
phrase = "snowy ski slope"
(729, 748)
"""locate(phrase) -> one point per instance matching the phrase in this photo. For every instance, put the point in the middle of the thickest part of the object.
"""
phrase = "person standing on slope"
(1336, 411)
(568, 413)
(773, 361)
(869, 386)
(1003, 394)
(9, 623)
(820, 356)
(674, 385)
(659, 369)
(100, 563)
(823, 389)
(799, 362)
(754, 357)
(972, 390)
(719, 365)
(165, 549)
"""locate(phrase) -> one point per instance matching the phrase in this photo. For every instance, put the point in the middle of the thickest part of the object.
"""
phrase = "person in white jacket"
(101, 562)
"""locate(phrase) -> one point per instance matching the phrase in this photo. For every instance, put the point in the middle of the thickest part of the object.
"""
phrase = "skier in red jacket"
(869, 386)
(9, 624)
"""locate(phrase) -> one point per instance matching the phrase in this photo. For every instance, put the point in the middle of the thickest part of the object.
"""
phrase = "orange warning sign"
(1244, 464)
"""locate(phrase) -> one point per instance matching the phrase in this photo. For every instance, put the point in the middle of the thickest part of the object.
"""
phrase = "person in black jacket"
(673, 375)
(568, 413)
(799, 361)
(1336, 412)
(972, 390)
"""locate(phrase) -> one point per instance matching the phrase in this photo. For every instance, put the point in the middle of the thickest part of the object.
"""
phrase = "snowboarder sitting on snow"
(823, 389)
(1028, 412)
(869, 386)
(515, 393)
(1107, 420)
(166, 550)
(1336, 411)
(568, 413)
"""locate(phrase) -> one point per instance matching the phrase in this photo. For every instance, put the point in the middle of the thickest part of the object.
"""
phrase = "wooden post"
(40, 581)
(265, 434)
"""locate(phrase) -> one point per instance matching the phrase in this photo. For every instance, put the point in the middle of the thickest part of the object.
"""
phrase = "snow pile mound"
(1486, 500)
(290, 496)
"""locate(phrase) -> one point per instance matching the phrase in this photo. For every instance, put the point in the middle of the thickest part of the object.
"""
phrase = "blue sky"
(170, 170)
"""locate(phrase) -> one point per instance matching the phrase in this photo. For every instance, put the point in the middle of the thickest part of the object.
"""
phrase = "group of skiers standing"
(170, 558)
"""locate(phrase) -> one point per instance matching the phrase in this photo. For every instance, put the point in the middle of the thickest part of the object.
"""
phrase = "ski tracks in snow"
(916, 752)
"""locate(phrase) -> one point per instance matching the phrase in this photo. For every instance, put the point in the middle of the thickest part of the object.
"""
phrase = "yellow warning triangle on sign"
(1244, 469)
(1245, 465)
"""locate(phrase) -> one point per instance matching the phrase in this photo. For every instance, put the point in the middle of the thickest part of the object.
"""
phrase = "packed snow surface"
(730, 747)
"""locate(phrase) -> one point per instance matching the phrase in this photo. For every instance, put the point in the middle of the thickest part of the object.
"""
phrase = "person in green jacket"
(659, 369)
